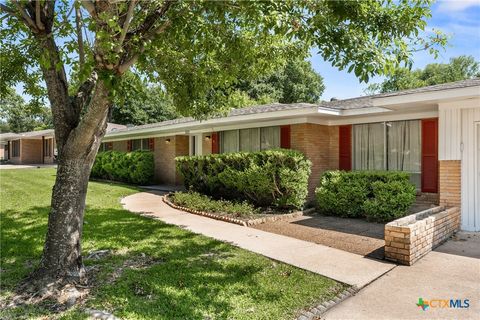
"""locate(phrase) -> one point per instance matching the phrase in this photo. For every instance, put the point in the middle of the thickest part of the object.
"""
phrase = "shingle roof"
(345, 104)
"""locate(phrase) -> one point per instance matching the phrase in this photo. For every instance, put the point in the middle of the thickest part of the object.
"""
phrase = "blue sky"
(460, 19)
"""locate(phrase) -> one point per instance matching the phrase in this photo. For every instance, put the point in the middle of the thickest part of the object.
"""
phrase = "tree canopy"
(459, 68)
(16, 115)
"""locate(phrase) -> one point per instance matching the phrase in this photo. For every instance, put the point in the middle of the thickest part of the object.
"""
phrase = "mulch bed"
(243, 221)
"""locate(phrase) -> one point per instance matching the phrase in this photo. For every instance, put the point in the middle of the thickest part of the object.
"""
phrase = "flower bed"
(239, 213)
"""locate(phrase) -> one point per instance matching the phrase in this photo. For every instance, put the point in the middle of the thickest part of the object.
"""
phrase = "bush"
(197, 201)
(135, 167)
(273, 178)
(376, 195)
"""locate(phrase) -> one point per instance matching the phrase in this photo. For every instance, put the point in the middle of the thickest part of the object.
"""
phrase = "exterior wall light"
(207, 138)
(167, 141)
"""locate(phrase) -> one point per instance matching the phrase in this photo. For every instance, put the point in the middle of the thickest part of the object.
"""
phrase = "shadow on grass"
(191, 276)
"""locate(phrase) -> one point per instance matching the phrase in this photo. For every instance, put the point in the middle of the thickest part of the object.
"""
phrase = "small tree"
(196, 49)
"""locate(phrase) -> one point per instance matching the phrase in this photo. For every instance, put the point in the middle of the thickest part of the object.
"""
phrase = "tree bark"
(62, 257)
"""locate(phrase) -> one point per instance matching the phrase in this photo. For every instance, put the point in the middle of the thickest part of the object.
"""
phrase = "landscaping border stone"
(410, 238)
(241, 222)
(318, 310)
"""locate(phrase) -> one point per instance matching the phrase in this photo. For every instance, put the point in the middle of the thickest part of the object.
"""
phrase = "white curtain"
(250, 140)
(404, 147)
(369, 146)
(229, 141)
(270, 138)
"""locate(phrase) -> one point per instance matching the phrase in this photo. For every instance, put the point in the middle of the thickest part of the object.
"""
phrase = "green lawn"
(187, 276)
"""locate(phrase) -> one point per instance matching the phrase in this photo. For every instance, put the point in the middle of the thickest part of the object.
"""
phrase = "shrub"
(376, 195)
(197, 201)
(273, 178)
(135, 167)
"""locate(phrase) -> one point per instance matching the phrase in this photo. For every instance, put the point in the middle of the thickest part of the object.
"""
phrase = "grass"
(191, 277)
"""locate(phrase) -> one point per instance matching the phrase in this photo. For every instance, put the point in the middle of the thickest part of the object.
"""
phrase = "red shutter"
(345, 147)
(285, 137)
(215, 143)
(430, 155)
(129, 145)
(151, 144)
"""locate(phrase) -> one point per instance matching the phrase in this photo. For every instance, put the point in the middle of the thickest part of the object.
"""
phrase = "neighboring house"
(431, 132)
(34, 147)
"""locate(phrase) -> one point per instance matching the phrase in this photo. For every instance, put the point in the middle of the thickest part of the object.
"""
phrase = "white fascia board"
(385, 117)
(208, 124)
(447, 94)
(362, 111)
(460, 104)
(248, 125)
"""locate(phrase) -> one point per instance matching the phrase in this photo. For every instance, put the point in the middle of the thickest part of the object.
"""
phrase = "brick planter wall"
(409, 238)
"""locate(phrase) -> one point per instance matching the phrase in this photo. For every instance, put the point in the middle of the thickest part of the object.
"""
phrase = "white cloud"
(456, 5)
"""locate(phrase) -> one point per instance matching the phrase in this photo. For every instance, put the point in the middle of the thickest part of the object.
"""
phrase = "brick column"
(450, 182)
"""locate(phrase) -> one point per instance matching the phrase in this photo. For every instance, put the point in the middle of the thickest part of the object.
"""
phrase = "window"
(140, 144)
(15, 148)
(106, 146)
(388, 146)
(250, 140)
(47, 147)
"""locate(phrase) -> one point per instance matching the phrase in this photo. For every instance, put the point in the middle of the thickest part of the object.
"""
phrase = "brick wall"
(30, 151)
(409, 238)
(320, 144)
(206, 144)
(450, 182)
(120, 146)
(165, 153)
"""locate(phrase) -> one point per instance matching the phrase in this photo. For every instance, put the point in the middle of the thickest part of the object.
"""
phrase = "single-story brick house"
(432, 132)
(34, 147)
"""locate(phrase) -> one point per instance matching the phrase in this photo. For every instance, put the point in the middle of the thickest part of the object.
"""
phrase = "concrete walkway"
(343, 266)
(450, 272)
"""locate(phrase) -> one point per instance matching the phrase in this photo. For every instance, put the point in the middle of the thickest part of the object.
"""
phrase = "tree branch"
(26, 18)
(78, 25)
(152, 18)
(38, 16)
(7, 10)
(90, 7)
(126, 25)
(131, 61)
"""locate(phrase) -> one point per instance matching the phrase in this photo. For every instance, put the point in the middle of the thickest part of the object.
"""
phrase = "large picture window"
(250, 140)
(392, 145)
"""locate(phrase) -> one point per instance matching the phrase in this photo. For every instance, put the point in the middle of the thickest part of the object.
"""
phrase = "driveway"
(450, 272)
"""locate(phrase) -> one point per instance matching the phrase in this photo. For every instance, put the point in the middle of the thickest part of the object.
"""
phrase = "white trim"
(362, 111)
(190, 125)
(460, 104)
(383, 118)
(249, 125)
(445, 94)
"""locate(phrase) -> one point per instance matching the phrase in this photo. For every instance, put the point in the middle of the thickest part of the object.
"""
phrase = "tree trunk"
(62, 259)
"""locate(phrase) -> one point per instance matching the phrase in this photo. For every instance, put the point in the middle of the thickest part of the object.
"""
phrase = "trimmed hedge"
(274, 178)
(376, 195)
(136, 167)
